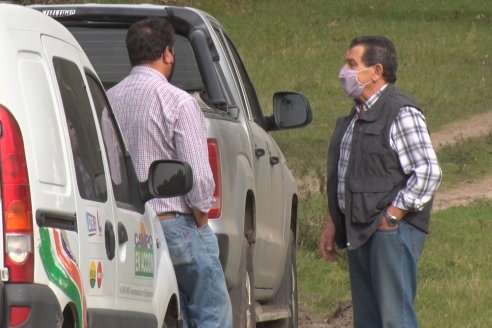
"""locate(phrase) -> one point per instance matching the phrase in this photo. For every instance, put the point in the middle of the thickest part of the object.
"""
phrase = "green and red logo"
(144, 253)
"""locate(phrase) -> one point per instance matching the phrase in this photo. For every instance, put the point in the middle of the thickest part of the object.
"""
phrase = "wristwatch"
(390, 219)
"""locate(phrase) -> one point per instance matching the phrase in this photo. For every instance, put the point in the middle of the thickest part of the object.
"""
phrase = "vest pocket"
(369, 197)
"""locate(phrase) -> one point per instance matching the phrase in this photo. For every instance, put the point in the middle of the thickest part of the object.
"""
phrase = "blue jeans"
(194, 252)
(383, 278)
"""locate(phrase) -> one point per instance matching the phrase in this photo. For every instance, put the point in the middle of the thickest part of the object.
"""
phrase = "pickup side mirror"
(290, 110)
(167, 178)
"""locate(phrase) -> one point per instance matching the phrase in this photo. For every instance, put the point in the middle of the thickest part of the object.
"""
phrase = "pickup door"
(271, 230)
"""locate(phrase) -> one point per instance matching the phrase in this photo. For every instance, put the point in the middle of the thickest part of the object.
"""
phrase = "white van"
(78, 245)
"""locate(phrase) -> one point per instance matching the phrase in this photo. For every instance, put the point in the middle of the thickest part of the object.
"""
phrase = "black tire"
(242, 296)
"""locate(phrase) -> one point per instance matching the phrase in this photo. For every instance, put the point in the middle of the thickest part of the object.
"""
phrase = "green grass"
(454, 277)
(468, 160)
(454, 272)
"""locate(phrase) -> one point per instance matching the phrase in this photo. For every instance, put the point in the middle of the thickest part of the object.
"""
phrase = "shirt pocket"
(369, 198)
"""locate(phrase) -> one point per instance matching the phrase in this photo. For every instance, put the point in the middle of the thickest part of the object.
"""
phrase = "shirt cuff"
(204, 205)
(414, 205)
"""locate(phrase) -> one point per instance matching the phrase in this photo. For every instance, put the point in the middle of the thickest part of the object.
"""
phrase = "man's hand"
(327, 242)
(201, 218)
(397, 212)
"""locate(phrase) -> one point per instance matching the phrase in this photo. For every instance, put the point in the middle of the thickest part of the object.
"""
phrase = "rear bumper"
(45, 309)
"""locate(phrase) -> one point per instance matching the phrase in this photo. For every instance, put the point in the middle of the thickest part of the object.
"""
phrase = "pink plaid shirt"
(160, 121)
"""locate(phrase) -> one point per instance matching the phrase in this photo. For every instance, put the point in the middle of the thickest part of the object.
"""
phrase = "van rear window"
(107, 52)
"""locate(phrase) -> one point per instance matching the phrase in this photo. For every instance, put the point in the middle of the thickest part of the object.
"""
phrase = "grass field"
(454, 274)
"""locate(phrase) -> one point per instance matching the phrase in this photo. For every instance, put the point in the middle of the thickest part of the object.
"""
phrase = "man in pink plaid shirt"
(160, 121)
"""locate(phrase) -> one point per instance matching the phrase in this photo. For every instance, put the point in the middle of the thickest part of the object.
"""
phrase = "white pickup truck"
(255, 216)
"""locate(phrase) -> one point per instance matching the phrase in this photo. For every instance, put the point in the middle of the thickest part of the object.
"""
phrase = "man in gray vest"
(382, 176)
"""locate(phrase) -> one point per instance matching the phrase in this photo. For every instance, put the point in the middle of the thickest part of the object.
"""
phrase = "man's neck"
(371, 90)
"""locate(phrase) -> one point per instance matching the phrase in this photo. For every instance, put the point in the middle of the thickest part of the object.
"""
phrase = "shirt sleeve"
(191, 146)
(410, 139)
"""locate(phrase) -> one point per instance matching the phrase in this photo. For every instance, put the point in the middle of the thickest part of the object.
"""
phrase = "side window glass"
(89, 169)
(113, 143)
(248, 87)
(222, 78)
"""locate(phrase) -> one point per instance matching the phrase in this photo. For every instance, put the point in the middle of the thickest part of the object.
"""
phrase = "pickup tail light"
(214, 160)
(16, 203)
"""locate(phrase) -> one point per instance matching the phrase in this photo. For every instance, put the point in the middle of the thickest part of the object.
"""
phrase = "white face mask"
(353, 88)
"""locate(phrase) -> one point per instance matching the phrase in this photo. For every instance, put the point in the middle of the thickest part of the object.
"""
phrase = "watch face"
(392, 220)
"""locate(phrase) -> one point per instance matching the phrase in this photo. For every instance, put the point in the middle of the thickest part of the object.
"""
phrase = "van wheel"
(242, 297)
(68, 317)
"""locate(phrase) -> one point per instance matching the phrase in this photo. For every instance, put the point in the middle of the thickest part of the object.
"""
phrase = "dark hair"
(147, 39)
(378, 50)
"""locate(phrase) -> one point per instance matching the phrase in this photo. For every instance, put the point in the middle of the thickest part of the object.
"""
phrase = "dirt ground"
(462, 195)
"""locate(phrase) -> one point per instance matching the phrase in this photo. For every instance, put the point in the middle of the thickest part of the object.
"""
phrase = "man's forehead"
(355, 53)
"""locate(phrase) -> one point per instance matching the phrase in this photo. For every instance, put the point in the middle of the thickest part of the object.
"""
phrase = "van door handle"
(274, 160)
(259, 152)
(109, 240)
(55, 219)
(122, 234)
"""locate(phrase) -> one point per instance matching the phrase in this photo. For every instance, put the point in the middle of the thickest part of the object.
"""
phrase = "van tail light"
(214, 159)
(16, 202)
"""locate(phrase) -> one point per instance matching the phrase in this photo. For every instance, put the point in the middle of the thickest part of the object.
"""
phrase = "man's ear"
(378, 70)
(168, 56)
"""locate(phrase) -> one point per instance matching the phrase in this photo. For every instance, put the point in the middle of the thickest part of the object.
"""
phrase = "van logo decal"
(96, 275)
(144, 253)
(94, 227)
(59, 12)
(62, 270)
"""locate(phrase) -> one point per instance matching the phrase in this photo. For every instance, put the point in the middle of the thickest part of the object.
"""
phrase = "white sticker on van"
(144, 253)
(96, 277)
(135, 292)
(94, 227)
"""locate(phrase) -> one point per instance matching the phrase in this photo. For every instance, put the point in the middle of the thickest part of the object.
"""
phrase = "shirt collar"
(143, 69)
(372, 100)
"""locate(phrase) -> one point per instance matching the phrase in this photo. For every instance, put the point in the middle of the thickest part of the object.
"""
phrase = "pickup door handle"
(259, 152)
(274, 160)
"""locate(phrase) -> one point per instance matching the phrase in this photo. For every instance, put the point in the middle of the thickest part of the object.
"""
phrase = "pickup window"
(241, 78)
(107, 52)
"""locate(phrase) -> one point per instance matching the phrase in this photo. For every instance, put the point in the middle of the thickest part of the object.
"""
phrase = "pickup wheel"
(288, 286)
(242, 297)
(287, 292)
(292, 282)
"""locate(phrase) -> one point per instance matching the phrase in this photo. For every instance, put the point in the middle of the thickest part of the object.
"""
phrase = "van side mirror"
(167, 178)
(290, 110)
